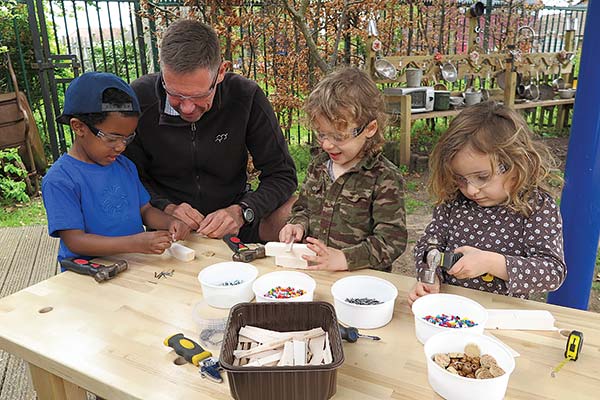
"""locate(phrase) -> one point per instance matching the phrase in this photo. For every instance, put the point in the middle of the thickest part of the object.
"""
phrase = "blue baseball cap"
(84, 96)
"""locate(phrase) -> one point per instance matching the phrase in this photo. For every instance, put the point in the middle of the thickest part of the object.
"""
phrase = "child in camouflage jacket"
(350, 210)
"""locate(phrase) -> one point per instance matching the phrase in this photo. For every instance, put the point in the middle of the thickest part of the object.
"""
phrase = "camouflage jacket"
(532, 246)
(361, 213)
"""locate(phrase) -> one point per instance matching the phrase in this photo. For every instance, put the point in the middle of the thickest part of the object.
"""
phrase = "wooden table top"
(108, 338)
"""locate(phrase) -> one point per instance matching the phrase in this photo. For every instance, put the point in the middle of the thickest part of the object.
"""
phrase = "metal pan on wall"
(385, 69)
(500, 79)
(449, 72)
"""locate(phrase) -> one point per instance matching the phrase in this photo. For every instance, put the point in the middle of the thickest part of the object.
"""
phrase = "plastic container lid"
(211, 323)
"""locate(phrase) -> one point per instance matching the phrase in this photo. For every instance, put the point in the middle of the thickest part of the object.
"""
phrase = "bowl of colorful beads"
(365, 302)
(284, 286)
(227, 283)
(441, 312)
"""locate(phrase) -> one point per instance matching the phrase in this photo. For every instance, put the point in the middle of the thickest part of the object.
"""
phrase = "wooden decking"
(27, 256)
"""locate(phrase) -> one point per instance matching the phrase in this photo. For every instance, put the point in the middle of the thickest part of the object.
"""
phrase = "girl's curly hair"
(346, 96)
(502, 133)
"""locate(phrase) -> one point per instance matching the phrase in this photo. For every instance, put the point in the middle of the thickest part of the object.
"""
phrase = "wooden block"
(539, 320)
(181, 252)
(287, 358)
(291, 262)
(275, 249)
(275, 344)
(299, 352)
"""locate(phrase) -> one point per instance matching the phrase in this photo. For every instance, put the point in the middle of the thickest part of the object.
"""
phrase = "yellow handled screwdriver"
(187, 348)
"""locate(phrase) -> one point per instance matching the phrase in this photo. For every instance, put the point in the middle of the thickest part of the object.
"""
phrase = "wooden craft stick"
(316, 347)
(299, 352)
(275, 344)
(327, 357)
(291, 262)
(276, 249)
(287, 358)
(259, 362)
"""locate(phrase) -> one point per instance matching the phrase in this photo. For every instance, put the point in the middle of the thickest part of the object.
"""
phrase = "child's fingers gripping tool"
(572, 351)
(187, 348)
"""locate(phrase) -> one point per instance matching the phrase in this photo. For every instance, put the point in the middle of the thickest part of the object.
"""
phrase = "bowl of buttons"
(440, 312)
(468, 366)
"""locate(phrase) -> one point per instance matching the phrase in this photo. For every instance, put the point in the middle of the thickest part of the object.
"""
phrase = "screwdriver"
(187, 348)
(351, 335)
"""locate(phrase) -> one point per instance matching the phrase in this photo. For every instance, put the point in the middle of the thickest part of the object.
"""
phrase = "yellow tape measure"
(574, 345)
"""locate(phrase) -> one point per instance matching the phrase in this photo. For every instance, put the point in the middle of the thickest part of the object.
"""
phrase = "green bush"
(12, 177)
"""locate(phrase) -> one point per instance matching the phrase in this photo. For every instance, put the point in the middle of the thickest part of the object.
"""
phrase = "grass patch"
(411, 205)
(23, 214)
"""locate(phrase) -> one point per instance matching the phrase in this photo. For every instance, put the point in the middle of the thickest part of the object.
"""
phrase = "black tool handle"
(81, 266)
(450, 259)
(234, 243)
(349, 334)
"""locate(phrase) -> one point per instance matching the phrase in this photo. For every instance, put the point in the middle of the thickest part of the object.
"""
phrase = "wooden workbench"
(107, 338)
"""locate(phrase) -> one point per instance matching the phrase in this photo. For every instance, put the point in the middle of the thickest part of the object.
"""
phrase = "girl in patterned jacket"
(488, 178)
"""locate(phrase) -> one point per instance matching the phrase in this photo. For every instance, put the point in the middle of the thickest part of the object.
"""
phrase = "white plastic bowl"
(212, 278)
(451, 386)
(364, 316)
(294, 279)
(449, 304)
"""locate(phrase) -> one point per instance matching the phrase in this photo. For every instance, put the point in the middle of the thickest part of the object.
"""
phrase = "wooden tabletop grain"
(108, 338)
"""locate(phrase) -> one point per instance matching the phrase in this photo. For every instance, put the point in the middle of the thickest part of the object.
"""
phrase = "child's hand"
(477, 262)
(422, 289)
(155, 242)
(179, 230)
(327, 258)
(291, 233)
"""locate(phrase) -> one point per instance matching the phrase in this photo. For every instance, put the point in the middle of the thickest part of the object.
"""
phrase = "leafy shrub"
(12, 177)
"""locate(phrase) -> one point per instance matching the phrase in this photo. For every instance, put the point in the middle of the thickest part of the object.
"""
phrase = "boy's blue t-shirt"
(102, 200)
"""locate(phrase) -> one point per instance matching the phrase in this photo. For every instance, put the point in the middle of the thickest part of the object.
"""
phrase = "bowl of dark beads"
(441, 312)
(365, 302)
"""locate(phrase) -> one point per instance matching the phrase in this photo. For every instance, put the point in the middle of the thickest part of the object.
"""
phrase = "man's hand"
(221, 222)
(475, 262)
(291, 233)
(327, 258)
(186, 213)
(422, 289)
(179, 230)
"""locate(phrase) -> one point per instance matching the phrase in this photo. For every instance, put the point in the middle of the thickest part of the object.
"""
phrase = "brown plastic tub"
(310, 382)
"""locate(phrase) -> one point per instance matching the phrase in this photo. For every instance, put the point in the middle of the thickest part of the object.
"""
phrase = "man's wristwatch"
(247, 213)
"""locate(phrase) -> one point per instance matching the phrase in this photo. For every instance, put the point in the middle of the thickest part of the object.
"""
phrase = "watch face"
(248, 215)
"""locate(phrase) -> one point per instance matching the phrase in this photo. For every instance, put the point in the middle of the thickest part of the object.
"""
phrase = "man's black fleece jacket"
(204, 163)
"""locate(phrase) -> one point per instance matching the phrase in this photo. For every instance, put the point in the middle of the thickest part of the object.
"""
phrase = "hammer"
(241, 252)
(100, 272)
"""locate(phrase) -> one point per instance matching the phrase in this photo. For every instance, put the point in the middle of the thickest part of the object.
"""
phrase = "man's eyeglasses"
(479, 180)
(198, 97)
(110, 139)
(340, 138)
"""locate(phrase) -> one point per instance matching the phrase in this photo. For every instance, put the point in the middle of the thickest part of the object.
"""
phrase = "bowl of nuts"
(365, 302)
(440, 312)
(468, 366)
(227, 283)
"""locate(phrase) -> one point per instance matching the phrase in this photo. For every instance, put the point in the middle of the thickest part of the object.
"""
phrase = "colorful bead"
(449, 321)
(280, 292)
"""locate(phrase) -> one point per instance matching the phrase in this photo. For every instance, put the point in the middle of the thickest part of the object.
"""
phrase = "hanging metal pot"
(449, 72)
(385, 69)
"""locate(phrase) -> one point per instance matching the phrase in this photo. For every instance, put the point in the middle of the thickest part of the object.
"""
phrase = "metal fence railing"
(67, 37)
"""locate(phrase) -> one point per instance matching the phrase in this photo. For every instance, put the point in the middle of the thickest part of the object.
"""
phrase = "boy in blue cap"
(94, 199)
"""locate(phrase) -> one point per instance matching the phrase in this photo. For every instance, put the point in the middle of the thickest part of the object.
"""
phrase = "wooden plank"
(22, 262)
(543, 103)
(9, 237)
(405, 127)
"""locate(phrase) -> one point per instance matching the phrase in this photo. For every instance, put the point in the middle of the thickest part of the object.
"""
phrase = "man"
(197, 125)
